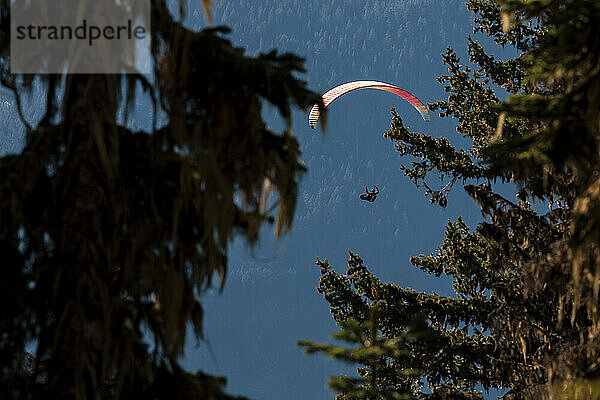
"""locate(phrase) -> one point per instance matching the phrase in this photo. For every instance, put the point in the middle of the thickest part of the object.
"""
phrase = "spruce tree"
(524, 316)
(109, 235)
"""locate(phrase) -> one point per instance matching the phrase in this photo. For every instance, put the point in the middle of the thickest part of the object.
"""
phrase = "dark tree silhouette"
(108, 236)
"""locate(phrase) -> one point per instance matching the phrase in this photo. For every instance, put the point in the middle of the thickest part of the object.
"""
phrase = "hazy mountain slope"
(266, 306)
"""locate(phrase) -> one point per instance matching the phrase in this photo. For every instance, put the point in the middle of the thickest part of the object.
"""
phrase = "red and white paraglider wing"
(338, 91)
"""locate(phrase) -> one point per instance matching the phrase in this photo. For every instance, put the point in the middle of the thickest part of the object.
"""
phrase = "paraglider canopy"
(341, 90)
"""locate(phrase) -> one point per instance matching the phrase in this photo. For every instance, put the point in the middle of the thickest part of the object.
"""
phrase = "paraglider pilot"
(370, 196)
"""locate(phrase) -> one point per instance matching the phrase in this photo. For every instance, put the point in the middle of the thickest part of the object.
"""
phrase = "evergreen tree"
(108, 235)
(564, 141)
(524, 317)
